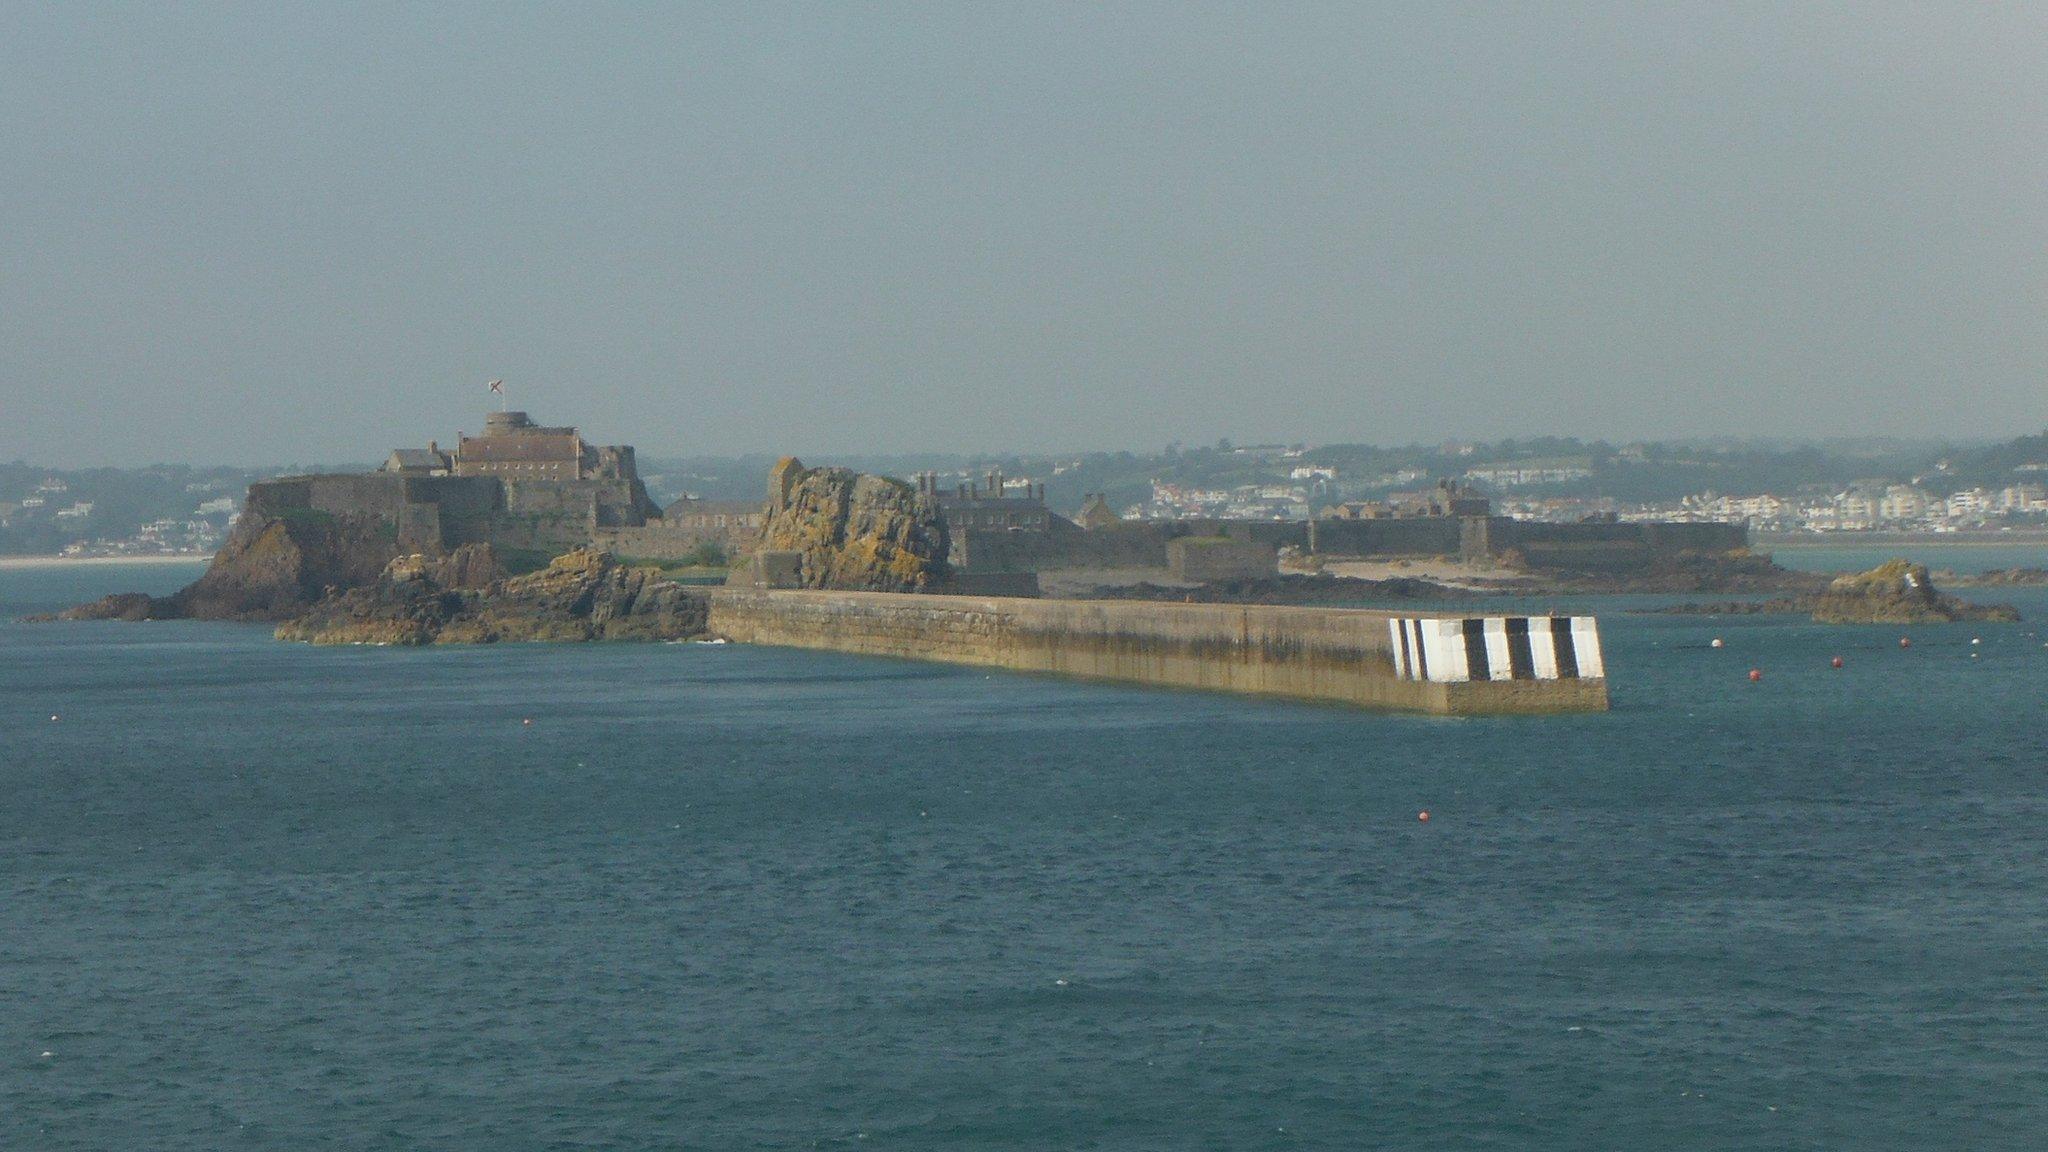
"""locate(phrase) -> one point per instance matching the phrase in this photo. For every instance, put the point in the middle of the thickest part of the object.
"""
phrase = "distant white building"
(1517, 473)
(1760, 509)
(2024, 498)
(1970, 503)
(1903, 502)
(78, 511)
(1857, 507)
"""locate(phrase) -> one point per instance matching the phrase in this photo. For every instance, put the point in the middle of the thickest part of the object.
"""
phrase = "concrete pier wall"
(1339, 655)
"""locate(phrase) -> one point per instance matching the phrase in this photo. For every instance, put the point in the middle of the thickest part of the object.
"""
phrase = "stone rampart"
(1417, 536)
(1337, 655)
(1660, 537)
(656, 541)
(1144, 543)
(1129, 544)
(1205, 558)
(424, 512)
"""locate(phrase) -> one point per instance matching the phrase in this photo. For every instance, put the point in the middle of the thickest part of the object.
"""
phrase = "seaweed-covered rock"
(1897, 592)
(583, 595)
(855, 531)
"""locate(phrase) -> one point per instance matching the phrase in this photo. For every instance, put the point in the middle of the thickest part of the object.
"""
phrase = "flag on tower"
(498, 386)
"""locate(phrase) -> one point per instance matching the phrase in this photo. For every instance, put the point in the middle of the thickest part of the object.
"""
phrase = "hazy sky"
(272, 233)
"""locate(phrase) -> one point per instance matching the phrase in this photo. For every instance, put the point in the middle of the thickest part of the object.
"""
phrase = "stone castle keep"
(519, 486)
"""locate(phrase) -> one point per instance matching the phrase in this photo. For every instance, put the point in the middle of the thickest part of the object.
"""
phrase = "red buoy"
(1835, 663)
(1423, 816)
(1905, 641)
(1755, 674)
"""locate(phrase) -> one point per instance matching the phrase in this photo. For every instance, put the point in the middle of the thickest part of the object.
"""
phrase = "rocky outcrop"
(584, 595)
(1997, 578)
(1678, 573)
(272, 567)
(119, 606)
(1897, 592)
(854, 531)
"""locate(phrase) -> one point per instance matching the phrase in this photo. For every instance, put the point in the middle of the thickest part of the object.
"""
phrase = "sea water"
(1971, 558)
(261, 895)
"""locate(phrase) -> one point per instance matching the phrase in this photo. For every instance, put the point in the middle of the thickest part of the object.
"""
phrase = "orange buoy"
(1423, 816)
(1755, 674)
(1835, 663)
(1716, 643)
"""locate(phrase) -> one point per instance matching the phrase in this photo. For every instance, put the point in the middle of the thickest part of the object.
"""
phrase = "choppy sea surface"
(258, 895)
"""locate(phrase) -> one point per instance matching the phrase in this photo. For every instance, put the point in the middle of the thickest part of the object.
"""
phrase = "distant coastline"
(1852, 540)
(9, 563)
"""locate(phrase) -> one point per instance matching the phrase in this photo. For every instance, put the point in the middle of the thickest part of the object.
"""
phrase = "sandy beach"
(8, 563)
(1445, 571)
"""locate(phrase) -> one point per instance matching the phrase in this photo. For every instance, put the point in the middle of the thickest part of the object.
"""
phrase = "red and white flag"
(498, 386)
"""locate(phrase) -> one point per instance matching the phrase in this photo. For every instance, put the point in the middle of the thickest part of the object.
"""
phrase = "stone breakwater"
(1348, 656)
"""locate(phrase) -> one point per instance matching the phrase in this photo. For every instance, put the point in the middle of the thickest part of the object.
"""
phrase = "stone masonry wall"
(1335, 655)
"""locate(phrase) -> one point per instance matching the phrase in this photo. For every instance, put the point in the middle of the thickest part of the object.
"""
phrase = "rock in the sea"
(119, 606)
(1998, 578)
(584, 595)
(277, 564)
(1898, 592)
(855, 531)
(273, 566)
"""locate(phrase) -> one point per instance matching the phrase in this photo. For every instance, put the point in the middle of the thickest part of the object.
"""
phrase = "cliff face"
(855, 532)
(1897, 593)
(583, 595)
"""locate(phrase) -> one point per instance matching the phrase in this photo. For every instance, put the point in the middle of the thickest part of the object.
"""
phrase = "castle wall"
(1346, 656)
(1205, 558)
(463, 508)
(1611, 546)
(1418, 536)
(1127, 544)
(372, 494)
(1144, 543)
(550, 515)
(656, 541)
(423, 512)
